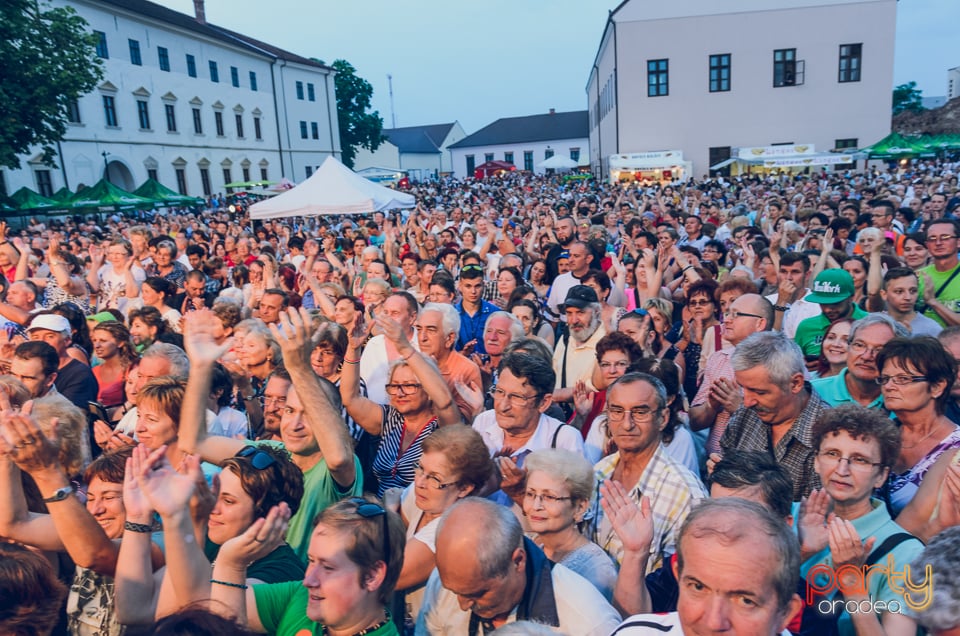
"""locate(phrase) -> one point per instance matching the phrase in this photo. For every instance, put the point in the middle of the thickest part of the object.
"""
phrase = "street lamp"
(106, 166)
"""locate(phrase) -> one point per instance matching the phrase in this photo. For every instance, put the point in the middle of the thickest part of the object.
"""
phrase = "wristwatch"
(59, 494)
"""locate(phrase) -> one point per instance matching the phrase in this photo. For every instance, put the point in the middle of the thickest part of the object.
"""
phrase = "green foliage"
(907, 97)
(358, 128)
(47, 60)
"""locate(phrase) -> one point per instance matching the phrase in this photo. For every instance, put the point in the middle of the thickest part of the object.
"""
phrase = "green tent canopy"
(104, 194)
(248, 184)
(63, 195)
(164, 196)
(896, 146)
(28, 200)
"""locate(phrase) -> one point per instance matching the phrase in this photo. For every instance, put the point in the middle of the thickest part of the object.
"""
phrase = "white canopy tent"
(558, 162)
(332, 189)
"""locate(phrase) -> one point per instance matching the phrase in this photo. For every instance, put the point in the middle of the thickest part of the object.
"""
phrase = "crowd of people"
(526, 406)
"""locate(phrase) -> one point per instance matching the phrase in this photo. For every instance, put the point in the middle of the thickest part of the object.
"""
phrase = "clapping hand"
(263, 537)
(22, 440)
(633, 524)
(812, 525)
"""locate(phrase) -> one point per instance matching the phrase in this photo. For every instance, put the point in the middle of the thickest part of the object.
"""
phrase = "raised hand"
(22, 440)
(260, 539)
(135, 502)
(472, 395)
(96, 255)
(948, 502)
(727, 394)
(168, 491)
(393, 332)
(812, 525)
(633, 524)
(293, 334)
(198, 341)
(582, 398)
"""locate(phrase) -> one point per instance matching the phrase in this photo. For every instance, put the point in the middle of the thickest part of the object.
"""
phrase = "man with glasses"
(939, 281)
(719, 393)
(636, 415)
(883, 212)
(857, 382)
(274, 403)
(833, 291)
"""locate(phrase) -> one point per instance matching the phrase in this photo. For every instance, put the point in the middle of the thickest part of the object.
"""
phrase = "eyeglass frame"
(418, 471)
(882, 380)
(863, 463)
(733, 314)
(620, 414)
(544, 498)
(402, 391)
(943, 238)
(859, 347)
(369, 510)
(497, 393)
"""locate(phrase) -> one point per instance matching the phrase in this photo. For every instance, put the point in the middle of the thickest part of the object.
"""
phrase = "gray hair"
(372, 249)
(177, 357)
(732, 520)
(774, 351)
(942, 557)
(502, 534)
(262, 332)
(899, 331)
(516, 327)
(450, 318)
(523, 628)
(571, 468)
(655, 382)
(532, 345)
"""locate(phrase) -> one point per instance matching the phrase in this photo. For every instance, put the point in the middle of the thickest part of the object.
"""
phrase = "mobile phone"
(97, 411)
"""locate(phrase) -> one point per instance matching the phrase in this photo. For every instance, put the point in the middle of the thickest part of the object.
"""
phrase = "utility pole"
(393, 114)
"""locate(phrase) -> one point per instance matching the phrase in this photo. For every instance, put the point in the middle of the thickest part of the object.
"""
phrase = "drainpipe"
(276, 110)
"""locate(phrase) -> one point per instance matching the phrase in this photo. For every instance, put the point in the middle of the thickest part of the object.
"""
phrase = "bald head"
(746, 315)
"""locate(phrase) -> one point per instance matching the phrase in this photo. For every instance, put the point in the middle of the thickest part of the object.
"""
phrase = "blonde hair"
(72, 431)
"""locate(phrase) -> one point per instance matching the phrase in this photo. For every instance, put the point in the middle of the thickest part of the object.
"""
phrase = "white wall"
(953, 83)
(385, 156)
(560, 147)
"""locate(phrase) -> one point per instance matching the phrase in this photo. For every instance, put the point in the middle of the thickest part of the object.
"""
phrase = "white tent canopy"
(332, 189)
(558, 162)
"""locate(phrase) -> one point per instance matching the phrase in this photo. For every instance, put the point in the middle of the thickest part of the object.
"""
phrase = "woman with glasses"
(842, 525)
(700, 326)
(355, 558)
(455, 464)
(420, 402)
(615, 353)
(916, 375)
(556, 496)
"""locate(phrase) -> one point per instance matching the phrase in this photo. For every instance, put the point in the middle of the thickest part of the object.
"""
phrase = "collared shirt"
(834, 391)
(579, 361)
(795, 451)
(799, 311)
(809, 334)
(718, 366)
(471, 327)
(672, 489)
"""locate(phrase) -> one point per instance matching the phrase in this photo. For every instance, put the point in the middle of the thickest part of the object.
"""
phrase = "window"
(784, 67)
(488, 156)
(163, 57)
(171, 117)
(311, 95)
(143, 114)
(44, 185)
(235, 76)
(191, 66)
(197, 122)
(309, 171)
(845, 144)
(205, 181)
(314, 130)
(720, 73)
(528, 160)
(214, 72)
(718, 155)
(303, 130)
(471, 164)
(246, 174)
(299, 90)
(181, 180)
(253, 81)
(218, 121)
(508, 157)
(227, 177)
(73, 111)
(102, 44)
(110, 110)
(263, 174)
(256, 128)
(850, 57)
(574, 154)
(658, 84)
(152, 174)
(239, 119)
(135, 53)
(547, 153)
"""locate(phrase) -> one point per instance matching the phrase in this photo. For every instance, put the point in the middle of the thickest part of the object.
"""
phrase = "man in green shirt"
(940, 281)
(833, 291)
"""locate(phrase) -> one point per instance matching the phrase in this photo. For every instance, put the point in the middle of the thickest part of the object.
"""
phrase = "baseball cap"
(50, 322)
(580, 296)
(831, 286)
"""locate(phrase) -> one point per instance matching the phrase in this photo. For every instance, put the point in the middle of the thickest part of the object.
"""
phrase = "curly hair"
(618, 341)
(860, 423)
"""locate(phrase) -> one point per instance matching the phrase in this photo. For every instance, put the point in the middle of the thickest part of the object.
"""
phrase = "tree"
(358, 128)
(47, 60)
(907, 97)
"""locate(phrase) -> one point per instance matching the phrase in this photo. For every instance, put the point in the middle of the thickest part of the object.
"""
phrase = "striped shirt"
(393, 468)
(718, 366)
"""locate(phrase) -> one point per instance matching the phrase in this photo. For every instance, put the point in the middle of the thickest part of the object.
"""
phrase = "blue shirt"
(834, 391)
(471, 327)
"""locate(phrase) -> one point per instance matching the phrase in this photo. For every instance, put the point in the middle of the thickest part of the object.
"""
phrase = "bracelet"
(239, 586)
(408, 356)
(780, 308)
(142, 528)
(357, 361)
(686, 268)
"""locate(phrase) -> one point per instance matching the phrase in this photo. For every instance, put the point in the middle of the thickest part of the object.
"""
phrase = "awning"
(723, 164)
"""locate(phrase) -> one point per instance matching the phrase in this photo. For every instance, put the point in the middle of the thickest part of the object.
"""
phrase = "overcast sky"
(478, 61)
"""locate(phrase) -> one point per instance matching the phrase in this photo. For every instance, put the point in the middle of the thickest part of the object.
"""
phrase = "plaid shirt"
(795, 451)
(672, 489)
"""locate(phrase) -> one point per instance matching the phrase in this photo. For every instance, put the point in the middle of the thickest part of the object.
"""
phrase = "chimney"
(553, 111)
(198, 9)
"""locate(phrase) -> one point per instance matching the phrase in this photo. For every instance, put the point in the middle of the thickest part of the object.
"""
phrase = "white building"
(953, 82)
(190, 104)
(703, 77)
(420, 151)
(524, 142)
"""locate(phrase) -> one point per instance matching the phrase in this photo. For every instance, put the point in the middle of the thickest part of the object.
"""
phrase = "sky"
(475, 62)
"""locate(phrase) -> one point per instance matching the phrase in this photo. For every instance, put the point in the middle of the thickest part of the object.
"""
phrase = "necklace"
(922, 439)
(371, 629)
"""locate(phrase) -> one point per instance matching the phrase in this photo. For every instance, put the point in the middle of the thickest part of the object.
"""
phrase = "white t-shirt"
(568, 439)
(113, 287)
(427, 535)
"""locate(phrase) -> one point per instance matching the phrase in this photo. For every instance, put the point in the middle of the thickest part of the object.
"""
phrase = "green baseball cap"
(830, 287)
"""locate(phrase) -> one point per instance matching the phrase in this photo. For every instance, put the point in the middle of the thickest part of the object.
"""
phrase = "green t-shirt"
(279, 566)
(950, 296)
(282, 609)
(811, 330)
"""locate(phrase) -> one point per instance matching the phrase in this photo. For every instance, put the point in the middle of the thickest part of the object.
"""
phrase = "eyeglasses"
(403, 389)
(831, 458)
(699, 303)
(901, 380)
(369, 510)
(733, 314)
(545, 499)
(638, 414)
(274, 400)
(619, 365)
(259, 459)
(516, 400)
(940, 239)
(859, 347)
(432, 480)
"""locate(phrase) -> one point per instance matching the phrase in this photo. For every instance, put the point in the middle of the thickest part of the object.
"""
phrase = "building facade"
(190, 104)
(420, 151)
(704, 77)
(525, 142)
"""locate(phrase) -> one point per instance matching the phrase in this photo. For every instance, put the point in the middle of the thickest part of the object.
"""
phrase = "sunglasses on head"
(369, 510)
(471, 268)
(259, 459)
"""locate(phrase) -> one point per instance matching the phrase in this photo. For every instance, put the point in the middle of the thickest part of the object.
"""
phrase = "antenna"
(393, 114)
